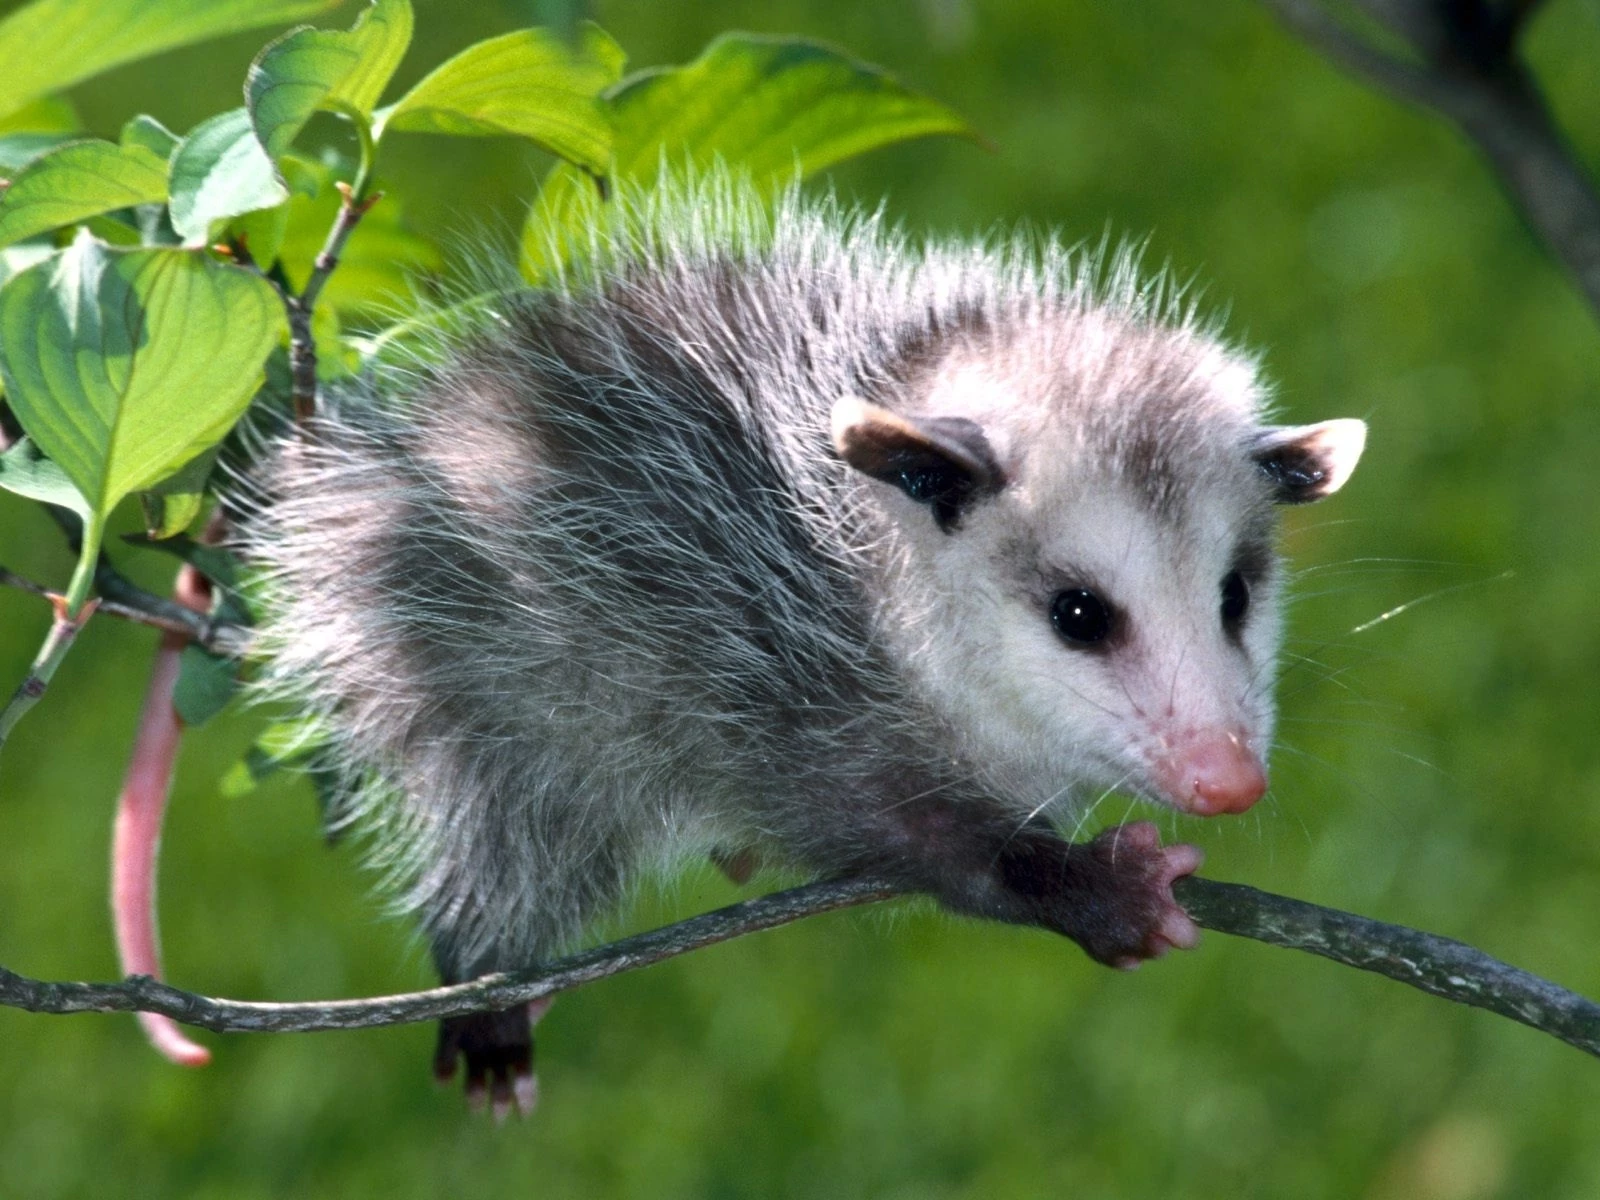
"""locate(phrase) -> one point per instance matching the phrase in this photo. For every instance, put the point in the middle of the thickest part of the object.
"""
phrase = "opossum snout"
(1210, 773)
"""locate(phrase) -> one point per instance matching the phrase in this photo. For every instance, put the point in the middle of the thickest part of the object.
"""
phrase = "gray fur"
(598, 593)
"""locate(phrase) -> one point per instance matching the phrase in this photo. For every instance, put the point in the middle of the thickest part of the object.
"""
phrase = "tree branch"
(1337, 41)
(64, 630)
(122, 598)
(1437, 965)
(1469, 70)
(302, 344)
(1434, 964)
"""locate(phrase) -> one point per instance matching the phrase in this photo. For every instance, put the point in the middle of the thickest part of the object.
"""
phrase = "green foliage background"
(1439, 768)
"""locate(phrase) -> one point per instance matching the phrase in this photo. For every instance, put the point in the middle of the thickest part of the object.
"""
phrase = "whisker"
(1444, 591)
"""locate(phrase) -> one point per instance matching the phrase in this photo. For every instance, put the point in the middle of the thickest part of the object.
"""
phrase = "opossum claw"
(1134, 914)
(498, 1050)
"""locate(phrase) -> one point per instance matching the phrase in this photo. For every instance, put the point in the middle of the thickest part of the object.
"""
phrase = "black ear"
(943, 462)
(1308, 462)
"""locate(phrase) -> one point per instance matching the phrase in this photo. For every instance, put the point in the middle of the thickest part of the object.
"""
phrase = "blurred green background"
(1438, 768)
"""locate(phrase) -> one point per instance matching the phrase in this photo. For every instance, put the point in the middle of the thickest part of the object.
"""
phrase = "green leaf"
(25, 471)
(34, 129)
(77, 181)
(215, 563)
(284, 744)
(169, 514)
(239, 780)
(382, 34)
(262, 233)
(289, 81)
(530, 84)
(206, 682)
(50, 44)
(568, 203)
(124, 365)
(17, 150)
(150, 133)
(264, 230)
(775, 107)
(304, 177)
(150, 221)
(173, 504)
(769, 105)
(14, 260)
(310, 69)
(221, 171)
(48, 114)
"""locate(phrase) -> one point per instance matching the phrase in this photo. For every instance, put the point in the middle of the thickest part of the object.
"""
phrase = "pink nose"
(1212, 773)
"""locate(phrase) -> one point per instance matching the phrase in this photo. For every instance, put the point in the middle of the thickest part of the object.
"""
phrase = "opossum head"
(1085, 586)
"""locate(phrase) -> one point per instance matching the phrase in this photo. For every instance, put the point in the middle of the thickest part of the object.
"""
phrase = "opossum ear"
(943, 462)
(1308, 462)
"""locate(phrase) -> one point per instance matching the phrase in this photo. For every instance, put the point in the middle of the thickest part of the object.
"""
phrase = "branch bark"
(1466, 67)
(121, 598)
(354, 205)
(1426, 961)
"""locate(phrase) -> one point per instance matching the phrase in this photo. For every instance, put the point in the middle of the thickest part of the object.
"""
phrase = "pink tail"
(137, 836)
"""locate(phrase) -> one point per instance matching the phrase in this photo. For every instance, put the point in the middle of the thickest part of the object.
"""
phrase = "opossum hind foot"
(497, 1048)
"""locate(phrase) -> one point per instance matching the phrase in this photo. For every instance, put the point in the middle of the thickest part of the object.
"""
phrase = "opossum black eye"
(1235, 598)
(1080, 616)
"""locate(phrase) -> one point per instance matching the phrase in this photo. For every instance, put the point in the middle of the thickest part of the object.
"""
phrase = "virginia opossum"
(765, 529)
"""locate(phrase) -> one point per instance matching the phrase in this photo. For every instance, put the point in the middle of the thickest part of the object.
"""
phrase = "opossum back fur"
(595, 591)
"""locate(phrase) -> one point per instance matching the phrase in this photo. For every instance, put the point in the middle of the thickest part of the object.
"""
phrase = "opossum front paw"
(1131, 914)
(497, 1048)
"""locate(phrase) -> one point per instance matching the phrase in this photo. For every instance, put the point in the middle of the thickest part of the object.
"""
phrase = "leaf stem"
(369, 155)
(94, 527)
(72, 612)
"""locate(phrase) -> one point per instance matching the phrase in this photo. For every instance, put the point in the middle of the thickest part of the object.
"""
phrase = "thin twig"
(489, 993)
(1408, 21)
(126, 599)
(1518, 13)
(63, 631)
(302, 343)
(121, 598)
(1335, 39)
(351, 210)
(11, 579)
(1437, 965)
(1470, 71)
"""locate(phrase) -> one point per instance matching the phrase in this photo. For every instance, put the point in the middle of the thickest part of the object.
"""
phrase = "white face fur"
(1087, 590)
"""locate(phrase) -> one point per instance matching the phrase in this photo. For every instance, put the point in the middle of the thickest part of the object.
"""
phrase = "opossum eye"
(1235, 598)
(1080, 616)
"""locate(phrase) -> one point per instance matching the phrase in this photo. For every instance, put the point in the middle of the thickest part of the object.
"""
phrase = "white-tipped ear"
(943, 462)
(1308, 462)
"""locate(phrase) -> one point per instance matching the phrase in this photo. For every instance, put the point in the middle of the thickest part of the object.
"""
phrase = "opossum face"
(1090, 596)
